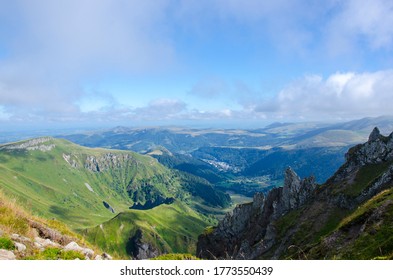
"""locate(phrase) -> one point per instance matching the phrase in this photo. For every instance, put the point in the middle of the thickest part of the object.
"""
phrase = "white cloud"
(361, 22)
(340, 95)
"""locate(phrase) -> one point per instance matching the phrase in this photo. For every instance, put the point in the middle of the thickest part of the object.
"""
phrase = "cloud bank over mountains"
(335, 57)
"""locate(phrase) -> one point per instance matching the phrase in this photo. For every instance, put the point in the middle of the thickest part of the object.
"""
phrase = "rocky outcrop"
(107, 161)
(248, 231)
(140, 249)
(32, 145)
(377, 149)
(53, 235)
(107, 206)
(73, 246)
(296, 191)
(45, 238)
(71, 160)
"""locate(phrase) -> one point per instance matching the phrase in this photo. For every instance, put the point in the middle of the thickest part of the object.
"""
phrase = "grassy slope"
(14, 219)
(171, 228)
(367, 233)
(47, 184)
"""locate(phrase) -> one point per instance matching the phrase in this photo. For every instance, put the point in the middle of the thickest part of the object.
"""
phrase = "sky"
(207, 62)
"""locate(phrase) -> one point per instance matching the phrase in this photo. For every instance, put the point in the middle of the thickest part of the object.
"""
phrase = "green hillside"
(167, 228)
(59, 179)
(374, 239)
(86, 187)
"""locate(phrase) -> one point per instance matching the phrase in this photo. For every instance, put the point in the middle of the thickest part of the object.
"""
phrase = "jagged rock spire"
(295, 191)
(374, 135)
(291, 179)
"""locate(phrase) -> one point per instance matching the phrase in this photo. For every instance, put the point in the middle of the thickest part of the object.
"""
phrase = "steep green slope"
(366, 233)
(60, 179)
(26, 236)
(164, 229)
(86, 187)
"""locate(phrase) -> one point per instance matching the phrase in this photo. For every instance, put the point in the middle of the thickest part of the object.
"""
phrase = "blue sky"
(212, 62)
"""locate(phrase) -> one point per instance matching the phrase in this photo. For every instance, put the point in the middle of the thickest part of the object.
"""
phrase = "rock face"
(107, 206)
(32, 145)
(139, 249)
(107, 161)
(376, 150)
(271, 224)
(248, 231)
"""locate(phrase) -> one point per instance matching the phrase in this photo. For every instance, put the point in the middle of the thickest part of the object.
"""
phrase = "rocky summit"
(349, 216)
(249, 231)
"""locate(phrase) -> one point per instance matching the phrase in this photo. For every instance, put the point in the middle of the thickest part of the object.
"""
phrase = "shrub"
(6, 243)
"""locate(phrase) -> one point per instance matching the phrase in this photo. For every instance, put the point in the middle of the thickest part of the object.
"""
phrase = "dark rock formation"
(248, 231)
(49, 233)
(140, 249)
(376, 150)
(107, 206)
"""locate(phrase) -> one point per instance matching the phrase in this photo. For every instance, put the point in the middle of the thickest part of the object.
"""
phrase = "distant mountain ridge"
(249, 152)
(187, 140)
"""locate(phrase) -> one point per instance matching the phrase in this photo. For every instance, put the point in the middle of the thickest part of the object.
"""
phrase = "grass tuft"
(56, 254)
(6, 243)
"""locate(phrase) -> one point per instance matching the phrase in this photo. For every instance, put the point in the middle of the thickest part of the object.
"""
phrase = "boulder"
(7, 255)
(43, 243)
(20, 247)
(106, 256)
(19, 238)
(73, 246)
(103, 257)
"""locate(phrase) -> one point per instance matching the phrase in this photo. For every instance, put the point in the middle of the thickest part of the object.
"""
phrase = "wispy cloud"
(341, 95)
(361, 23)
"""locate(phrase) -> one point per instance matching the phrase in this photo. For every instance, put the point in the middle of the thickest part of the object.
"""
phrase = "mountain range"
(142, 193)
